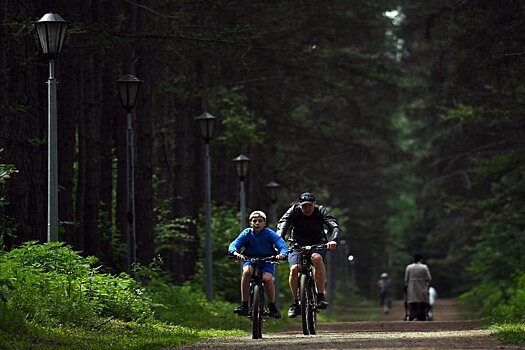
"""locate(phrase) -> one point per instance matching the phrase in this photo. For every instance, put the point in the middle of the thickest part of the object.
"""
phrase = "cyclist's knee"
(267, 278)
(247, 271)
(294, 270)
(317, 259)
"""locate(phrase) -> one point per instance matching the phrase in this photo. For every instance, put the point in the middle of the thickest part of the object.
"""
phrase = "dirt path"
(447, 331)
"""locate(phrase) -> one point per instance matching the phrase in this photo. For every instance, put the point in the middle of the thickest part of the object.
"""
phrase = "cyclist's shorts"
(266, 267)
(294, 257)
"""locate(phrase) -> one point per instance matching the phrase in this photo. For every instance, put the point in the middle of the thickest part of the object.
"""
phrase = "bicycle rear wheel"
(257, 313)
(303, 295)
(311, 309)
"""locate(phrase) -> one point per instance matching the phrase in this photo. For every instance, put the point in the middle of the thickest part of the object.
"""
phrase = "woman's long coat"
(417, 280)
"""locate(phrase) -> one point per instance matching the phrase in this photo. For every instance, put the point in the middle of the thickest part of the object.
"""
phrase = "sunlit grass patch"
(511, 332)
(113, 335)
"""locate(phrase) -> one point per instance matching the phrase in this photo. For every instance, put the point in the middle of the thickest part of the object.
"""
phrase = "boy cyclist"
(258, 241)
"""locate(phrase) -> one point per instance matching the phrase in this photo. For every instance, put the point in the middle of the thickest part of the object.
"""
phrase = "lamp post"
(51, 29)
(272, 189)
(128, 87)
(206, 122)
(241, 164)
(351, 259)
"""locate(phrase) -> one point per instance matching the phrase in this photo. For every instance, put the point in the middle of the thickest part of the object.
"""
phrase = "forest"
(405, 118)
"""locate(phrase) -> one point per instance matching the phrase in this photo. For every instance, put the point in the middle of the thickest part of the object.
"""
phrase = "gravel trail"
(446, 331)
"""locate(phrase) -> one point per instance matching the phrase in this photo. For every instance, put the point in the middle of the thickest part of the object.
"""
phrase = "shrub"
(514, 309)
(53, 285)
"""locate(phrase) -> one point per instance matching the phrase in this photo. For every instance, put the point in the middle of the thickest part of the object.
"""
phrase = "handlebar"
(308, 248)
(272, 259)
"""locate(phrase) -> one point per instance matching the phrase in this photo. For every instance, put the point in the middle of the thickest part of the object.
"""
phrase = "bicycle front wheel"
(257, 313)
(311, 309)
(303, 295)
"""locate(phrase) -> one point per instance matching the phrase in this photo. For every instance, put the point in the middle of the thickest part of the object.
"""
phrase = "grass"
(513, 333)
(114, 335)
(354, 309)
(197, 319)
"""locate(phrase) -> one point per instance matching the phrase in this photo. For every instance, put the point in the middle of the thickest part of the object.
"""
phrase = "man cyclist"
(307, 222)
(258, 241)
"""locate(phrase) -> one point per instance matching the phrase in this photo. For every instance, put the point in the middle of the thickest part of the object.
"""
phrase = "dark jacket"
(308, 230)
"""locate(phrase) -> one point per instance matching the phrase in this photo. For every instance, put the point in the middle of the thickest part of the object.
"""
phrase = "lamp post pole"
(272, 190)
(241, 163)
(128, 87)
(51, 29)
(206, 122)
(351, 259)
(345, 273)
(52, 154)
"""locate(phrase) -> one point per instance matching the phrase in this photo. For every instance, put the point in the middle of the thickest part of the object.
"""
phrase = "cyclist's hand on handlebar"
(279, 257)
(331, 245)
(239, 256)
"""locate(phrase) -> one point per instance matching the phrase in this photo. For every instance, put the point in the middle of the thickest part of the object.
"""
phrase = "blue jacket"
(258, 246)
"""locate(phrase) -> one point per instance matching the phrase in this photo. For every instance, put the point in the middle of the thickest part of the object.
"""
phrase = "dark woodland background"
(405, 118)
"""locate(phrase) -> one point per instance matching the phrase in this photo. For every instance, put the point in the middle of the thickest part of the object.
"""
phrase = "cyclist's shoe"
(274, 311)
(295, 310)
(321, 302)
(241, 310)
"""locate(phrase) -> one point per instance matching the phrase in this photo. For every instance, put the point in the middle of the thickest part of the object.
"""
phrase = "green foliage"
(511, 332)
(460, 113)
(483, 298)
(171, 234)
(175, 301)
(53, 285)
(109, 234)
(513, 308)
(7, 224)
(226, 273)
(54, 299)
(241, 127)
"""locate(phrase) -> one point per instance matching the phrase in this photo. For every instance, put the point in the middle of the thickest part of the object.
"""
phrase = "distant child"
(432, 296)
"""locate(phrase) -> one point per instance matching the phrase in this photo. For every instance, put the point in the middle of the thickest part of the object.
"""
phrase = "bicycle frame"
(256, 309)
(307, 290)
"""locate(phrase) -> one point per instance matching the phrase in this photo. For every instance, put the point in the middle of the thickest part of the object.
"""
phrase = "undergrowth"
(53, 298)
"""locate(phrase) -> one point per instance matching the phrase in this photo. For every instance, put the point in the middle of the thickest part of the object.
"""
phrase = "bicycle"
(256, 309)
(307, 288)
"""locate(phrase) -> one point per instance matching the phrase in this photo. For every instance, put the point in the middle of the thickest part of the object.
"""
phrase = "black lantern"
(241, 164)
(272, 189)
(206, 122)
(128, 88)
(51, 29)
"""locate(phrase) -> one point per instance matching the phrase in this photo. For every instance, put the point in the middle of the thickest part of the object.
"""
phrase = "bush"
(174, 303)
(514, 309)
(53, 285)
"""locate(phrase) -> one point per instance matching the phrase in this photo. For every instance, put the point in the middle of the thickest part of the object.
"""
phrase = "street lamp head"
(241, 164)
(51, 29)
(206, 122)
(272, 188)
(128, 88)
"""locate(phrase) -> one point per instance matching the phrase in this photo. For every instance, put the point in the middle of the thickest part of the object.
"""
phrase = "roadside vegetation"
(53, 298)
